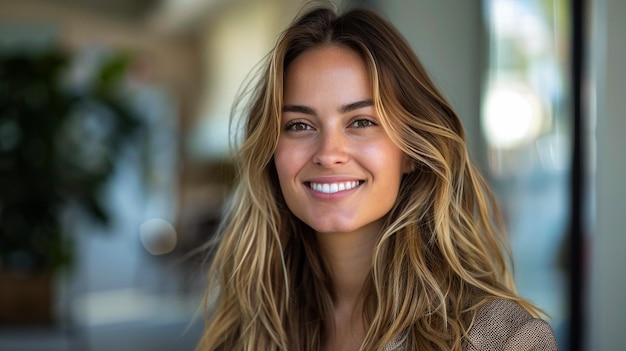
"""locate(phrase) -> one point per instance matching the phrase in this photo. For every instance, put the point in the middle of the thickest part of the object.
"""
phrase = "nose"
(331, 149)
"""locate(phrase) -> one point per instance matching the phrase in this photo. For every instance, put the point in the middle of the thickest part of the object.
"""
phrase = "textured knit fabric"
(502, 325)
(505, 325)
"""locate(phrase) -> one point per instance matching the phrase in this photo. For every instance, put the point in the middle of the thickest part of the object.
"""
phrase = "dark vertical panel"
(578, 184)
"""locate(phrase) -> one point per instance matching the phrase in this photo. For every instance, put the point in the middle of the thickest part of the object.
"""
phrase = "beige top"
(502, 325)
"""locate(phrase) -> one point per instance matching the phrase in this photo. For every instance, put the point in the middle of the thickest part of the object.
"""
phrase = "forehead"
(327, 71)
(325, 56)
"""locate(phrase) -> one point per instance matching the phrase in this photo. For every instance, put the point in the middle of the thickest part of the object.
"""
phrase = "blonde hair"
(441, 255)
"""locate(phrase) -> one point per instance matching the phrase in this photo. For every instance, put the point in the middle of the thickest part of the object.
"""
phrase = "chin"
(344, 228)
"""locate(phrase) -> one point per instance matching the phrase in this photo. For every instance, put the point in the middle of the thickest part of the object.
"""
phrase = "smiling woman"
(359, 222)
(331, 137)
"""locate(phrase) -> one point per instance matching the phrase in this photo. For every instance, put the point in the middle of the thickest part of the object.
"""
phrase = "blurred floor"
(136, 322)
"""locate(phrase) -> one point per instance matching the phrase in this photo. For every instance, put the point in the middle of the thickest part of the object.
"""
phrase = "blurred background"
(115, 162)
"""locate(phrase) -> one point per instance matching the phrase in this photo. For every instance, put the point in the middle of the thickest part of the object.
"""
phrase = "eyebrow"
(299, 109)
(343, 109)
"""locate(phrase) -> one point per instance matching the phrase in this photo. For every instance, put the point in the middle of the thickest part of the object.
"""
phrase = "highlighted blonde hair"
(442, 252)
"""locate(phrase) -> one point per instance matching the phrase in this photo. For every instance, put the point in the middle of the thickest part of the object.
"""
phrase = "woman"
(359, 222)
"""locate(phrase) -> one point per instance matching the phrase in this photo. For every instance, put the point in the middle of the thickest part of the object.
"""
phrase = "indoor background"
(115, 159)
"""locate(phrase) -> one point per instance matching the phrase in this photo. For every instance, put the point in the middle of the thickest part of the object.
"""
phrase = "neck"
(348, 257)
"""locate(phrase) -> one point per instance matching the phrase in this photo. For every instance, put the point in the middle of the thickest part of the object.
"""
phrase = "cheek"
(286, 162)
(387, 158)
(287, 168)
(280, 163)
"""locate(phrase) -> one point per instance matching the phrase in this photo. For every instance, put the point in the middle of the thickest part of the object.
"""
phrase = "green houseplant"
(58, 145)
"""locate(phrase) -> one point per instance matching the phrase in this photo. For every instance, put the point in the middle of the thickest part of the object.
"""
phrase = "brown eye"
(298, 126)
(362, 123)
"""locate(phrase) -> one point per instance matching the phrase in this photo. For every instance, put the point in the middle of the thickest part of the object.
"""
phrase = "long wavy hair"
(442, 252)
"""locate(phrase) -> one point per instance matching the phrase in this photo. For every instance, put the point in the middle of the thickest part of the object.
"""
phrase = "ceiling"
(117, 8)
(172, 15)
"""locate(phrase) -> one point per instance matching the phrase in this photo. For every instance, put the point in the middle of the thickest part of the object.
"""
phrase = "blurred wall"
(234, 41)
(447, 36)
(608, 240)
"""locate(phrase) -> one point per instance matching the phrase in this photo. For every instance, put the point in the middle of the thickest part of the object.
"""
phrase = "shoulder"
(505, 325)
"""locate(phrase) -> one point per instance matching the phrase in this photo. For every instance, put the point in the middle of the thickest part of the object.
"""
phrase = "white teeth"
(330, 188)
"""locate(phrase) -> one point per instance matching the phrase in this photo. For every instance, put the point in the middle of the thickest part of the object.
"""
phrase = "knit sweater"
(501, 325)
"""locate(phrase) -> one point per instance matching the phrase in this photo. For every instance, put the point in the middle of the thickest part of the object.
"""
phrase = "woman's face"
(338, 169)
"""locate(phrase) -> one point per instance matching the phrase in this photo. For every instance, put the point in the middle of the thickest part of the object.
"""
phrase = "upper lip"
(332, 179)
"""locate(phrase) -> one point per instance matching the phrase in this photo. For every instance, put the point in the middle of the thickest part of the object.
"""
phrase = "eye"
(297, 126)
(362, 123)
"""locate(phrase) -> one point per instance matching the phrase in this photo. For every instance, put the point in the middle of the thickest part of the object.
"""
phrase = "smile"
(330, 188)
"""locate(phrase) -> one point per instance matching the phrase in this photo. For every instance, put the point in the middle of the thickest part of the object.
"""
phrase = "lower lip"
(318, 195)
